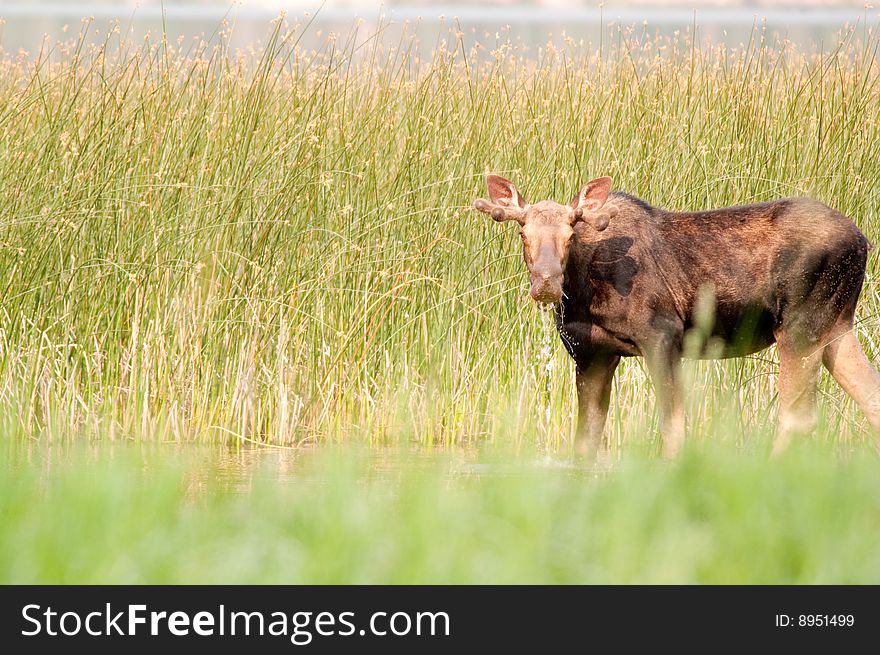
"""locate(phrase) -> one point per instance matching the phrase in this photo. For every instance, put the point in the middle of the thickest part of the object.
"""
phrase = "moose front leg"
(594, 395)
(664, 366)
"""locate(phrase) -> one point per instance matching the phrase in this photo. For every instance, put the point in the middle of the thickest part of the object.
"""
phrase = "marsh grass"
(276, 246)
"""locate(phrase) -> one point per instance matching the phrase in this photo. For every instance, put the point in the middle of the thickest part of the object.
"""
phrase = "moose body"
(629, 279)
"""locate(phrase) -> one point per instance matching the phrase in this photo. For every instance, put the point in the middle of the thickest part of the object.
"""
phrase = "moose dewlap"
(628, 279)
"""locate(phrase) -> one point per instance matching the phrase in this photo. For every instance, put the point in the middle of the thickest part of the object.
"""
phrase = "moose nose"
(546, 289)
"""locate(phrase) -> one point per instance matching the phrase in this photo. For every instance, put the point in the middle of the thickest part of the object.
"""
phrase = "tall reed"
(277, 246)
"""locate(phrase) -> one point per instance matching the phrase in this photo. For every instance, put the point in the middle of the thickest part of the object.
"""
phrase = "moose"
(629, 279)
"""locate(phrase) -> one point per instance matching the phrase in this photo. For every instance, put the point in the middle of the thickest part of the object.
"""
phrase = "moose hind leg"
(798, 376)
(594, 396)
(847, 362)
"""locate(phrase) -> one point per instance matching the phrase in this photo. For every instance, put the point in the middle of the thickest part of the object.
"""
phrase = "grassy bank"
(276, 246)
(164, 515)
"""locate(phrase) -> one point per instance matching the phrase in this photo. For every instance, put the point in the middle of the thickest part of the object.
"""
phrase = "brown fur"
(631, 279)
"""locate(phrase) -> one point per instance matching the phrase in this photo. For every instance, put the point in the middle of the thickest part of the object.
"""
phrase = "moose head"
(547, 228)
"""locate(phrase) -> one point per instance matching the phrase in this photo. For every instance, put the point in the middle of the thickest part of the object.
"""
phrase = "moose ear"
(506, 205)
(593, 195)
(502, 192)
(590, 200)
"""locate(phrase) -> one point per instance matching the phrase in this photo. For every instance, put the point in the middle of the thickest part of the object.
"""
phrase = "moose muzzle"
(546, 287)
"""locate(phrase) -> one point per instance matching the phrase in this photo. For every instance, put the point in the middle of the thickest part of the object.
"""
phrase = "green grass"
(151, 514)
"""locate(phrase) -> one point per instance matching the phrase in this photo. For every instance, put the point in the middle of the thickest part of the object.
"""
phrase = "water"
(236, 470)
(528, 27)
(546, 368)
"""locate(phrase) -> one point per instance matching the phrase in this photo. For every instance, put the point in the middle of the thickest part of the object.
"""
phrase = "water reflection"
(528, 27)
(225, 468)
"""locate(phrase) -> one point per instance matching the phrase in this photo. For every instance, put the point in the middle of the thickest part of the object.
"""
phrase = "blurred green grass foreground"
(250, 330)
(159, 514)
